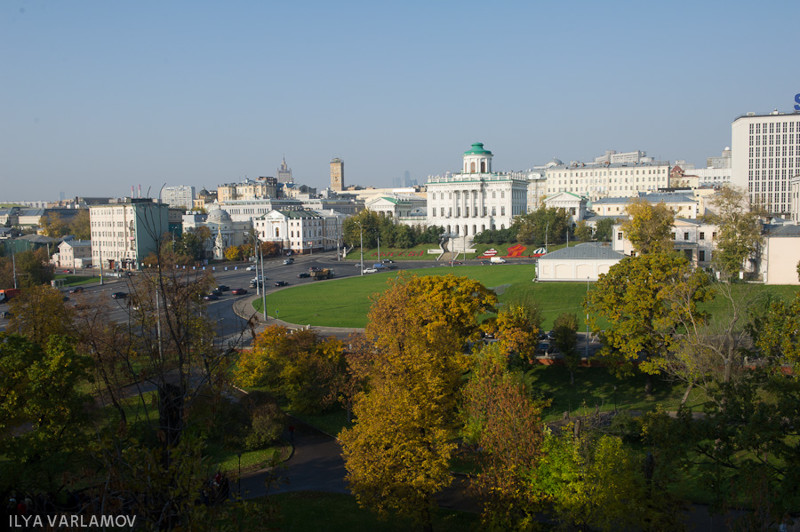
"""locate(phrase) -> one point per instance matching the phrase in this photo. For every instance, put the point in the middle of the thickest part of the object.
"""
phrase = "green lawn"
(345, 302)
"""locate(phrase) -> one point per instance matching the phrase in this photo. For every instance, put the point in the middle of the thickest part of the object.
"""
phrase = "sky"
(97, 96)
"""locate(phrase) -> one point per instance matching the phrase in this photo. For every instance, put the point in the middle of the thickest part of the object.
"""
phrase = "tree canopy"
(739, 231)
(649, 227)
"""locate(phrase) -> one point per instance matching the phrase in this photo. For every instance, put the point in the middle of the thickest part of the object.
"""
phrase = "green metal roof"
(477, 149)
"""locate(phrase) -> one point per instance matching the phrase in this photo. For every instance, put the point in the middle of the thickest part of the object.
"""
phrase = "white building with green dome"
(475, 199)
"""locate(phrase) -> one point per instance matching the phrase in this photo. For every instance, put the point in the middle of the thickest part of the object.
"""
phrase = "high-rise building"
(285, 173)
(337, 175)
(179, 196)
(765, 157)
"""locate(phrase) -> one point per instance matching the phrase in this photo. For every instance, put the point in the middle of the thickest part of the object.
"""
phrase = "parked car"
(210, 297)
(281, 283)
(288, 261)
(76, 290)
(119, 295)
(303, 275)
(223, 288)
(239, 291)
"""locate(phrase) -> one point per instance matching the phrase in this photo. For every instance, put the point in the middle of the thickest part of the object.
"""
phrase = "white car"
(370, 270)
(251, 268)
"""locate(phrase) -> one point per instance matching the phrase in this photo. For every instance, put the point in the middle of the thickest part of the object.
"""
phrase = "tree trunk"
(648, 384)
(686, 394)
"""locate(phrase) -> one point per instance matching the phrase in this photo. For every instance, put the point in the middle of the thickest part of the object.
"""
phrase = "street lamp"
(361, 231)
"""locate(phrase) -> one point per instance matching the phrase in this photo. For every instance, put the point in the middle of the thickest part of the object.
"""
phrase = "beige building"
(683, 205)
(781, 255)
(693, 238)
(124, 234)
(402, 209)
(73, 254)
(337, 175)
(261, 188)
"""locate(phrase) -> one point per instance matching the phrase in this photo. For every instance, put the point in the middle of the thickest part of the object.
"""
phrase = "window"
(702, 235)
(673, 236)
(686, 236)
(619, 236)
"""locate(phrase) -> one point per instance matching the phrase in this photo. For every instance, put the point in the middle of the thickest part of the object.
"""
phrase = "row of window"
(467, 211)
(774, 127)
(606, 173)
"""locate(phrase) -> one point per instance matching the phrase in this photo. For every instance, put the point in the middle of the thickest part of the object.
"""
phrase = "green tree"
(504, 422)
(397, 452)
(739, 231)
(297, 365)
(39, 312)
(636, 299)
(542, 225)
(53, 225)
(32, 267)
(80, 225)
(42, 411)
(368, 221)
(649, 227)
(603, 229)
(516, 329)
(583, 231)
(565, 329)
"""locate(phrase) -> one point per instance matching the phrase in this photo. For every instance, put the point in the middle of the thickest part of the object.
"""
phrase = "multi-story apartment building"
(261, 188)
(73, 254)
(246, 210)
(766, 156)
(405, 209)
(476, 199)
(606, 179)
(301, 231)
(178, 196)
(124, 234)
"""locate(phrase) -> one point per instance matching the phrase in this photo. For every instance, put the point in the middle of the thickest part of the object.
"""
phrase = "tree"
(366, 223)
(603, 229)
(42, 411)
(593, 481)
(397, 451)
(778, 334)
(542, 225)
(233, 253)
(298, 365)
(80, 225)
(649, 227)
(635, 298)
(565, 329)
(32, 267)
(517, 330)
(39, 312)
(739, 231)
(583, 231)
(504, 422)
(53, 225)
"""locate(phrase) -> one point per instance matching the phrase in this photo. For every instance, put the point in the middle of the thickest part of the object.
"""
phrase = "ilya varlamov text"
(71, 521)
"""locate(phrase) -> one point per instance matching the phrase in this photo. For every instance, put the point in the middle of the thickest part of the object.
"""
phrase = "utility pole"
(263, 280)
(14, 265)
(587, 322)
(361, 228)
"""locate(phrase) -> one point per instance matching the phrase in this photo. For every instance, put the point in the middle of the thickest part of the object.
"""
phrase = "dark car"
(239, 291)
(5, 314)
(216, 292)
(210, 297)
(387, 261)
(281, 283)
(288, 261)
(303, 275)
(223, 288)
(119, 295)
(76, 290)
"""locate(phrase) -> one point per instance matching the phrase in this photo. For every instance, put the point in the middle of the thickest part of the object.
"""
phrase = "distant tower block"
(337, 175)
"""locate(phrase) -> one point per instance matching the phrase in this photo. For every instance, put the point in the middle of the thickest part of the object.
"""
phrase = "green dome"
(477, 149)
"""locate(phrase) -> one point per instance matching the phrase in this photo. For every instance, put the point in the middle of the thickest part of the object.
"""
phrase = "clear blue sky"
(97, 96)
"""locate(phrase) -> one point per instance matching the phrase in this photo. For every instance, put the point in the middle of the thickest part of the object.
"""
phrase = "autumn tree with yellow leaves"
(397, 453)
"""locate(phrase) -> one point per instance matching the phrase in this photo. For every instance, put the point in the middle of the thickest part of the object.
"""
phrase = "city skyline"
(100, 97)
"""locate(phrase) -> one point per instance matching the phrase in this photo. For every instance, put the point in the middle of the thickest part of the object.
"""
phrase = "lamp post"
(263, 280)
(587, 321)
